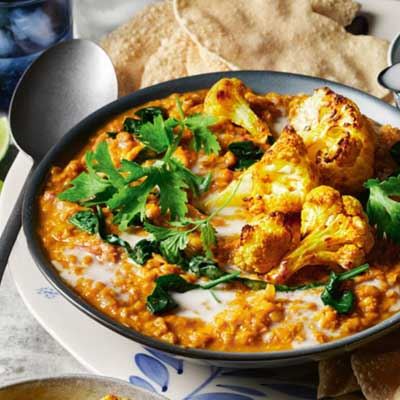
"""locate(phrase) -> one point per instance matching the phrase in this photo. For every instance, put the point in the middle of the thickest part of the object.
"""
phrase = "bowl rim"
(105, 113)
(85, 377)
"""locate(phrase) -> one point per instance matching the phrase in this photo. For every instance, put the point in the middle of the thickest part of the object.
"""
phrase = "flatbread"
(131, 45)
(169, 60)
(254, 34)
(341, 11)
(336, 377)
(378, 374)
(201, 61)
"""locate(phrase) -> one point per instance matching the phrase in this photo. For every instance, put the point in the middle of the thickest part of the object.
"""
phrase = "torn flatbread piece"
(131, 45)
(254, 34)
(341, 11)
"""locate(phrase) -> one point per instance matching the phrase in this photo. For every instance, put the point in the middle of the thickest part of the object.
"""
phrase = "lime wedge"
(4, 136)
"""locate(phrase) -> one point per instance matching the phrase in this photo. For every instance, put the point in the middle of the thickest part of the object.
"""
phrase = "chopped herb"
(270, 140)
(112, 135)
(246, 152)
(383, 211)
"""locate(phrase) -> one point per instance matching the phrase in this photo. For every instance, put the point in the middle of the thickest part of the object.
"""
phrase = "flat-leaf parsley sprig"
(382, 210)
(125, 190)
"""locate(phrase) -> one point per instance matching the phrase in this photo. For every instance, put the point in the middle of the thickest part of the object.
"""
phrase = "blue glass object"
(27, 27)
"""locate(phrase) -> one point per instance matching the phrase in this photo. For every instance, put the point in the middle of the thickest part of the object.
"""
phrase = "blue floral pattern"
(155, 369)
(47, 292)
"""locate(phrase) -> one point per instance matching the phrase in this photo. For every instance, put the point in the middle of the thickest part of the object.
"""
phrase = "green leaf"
(132, 171)
(156, 135)
(203, 266)
(100, 161)
(197, 184)
(382, 210)
(86, 221)
(160, 300)
(173, 197)
(148, 114)
(132, 125)
(85, 187)
(143, 251)
(246, 152)
(203, 137)
(172, 241)
(342, 302)
(208, 236)
(112, 135)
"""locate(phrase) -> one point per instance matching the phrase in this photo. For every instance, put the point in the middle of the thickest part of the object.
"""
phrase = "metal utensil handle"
(11, 230)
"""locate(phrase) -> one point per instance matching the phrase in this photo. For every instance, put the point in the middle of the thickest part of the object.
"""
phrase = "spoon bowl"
(65, 84)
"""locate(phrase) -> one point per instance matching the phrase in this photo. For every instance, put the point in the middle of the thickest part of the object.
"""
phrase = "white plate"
(106, 353)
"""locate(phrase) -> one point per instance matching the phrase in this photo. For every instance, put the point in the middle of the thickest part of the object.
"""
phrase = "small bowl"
(74, 387)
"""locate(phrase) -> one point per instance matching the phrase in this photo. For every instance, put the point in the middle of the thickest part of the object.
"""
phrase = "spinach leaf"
(160, 300)
(148, 114)
(246, 152)
(112, 135)
(132, 125)
(223, 279)
(86, 221)
(203, 266)
(342, 302)
(143, 251)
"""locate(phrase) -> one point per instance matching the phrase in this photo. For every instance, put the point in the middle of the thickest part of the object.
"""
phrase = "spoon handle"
(11, 230)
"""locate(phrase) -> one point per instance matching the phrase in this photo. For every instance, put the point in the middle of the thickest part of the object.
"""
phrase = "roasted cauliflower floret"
(338, 138)
(335, 233)
(226, 101)
(263, 245)
(278, 182)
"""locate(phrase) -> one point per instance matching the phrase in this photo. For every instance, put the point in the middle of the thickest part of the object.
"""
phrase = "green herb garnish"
(87, 221)
(382, 210)
(160, 300)
(246, 152)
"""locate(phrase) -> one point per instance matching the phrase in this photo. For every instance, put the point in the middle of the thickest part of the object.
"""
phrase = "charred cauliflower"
(226, 101)
(338, 138)
(278, 182)
(263, 245)
(335, 233)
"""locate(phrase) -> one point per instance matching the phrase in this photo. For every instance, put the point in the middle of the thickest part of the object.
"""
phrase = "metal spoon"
(390, 79)
(64, 84)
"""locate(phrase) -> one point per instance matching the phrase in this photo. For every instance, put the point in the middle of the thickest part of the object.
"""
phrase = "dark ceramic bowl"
(260, 81)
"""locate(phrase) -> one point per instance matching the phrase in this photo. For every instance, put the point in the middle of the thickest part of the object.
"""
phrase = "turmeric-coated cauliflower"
(263, 245)
(338, 138)
(335, 233)
(226, 101)
(280, 181)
